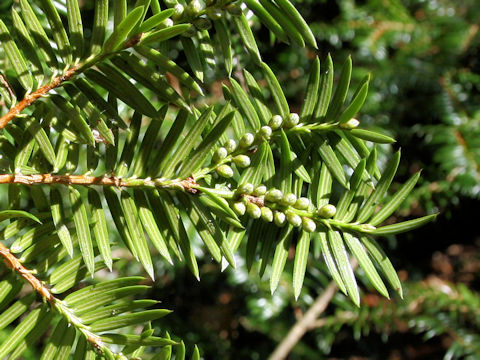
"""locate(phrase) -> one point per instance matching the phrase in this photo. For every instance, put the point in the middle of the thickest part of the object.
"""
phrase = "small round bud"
(202, 24)
(260, 190)
(167, 23)
(327, 211)
(267, 214)
(219, 154)
(242, 161)
(292, 120)
(288, 199)
(350, 124)
(230, 145)
(275, 122)
(246, 140)
(293, 219)
(273, 195)
(308, 224)
(214, 13)
(246, 189)
(279, 218)
(302, 203)
(239, 208)
(191, 31)
(254, 211)
(194, 8)
(265, 132)
(179, 10)
(225, 171)
(234, 9)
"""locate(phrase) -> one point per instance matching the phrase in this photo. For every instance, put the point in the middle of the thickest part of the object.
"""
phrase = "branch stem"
(38, 286)
(304, 324)
(29, 99)
(13, 263)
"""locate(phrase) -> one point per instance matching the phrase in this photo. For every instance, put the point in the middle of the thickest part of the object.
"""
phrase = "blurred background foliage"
(423, 56)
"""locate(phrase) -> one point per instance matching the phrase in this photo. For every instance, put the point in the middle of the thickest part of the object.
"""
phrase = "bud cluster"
(201, 15)
(277, 121)
(220, 157)
(247, 141)
(274, 206)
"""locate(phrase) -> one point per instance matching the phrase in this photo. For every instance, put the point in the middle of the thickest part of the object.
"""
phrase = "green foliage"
(433, 309)
(111, 127)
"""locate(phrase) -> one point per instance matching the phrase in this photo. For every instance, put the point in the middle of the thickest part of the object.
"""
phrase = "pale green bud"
(225, 171)
(308, 224)
(293, 219)
(302, 203)
(167, 23)
(246, 189)
(292, 120)
(260, 190)
(214, 13)
(239, 208)
(219, 154)
(247, 140)
(275, 122)
(254, 211)
(327, 211)
(242, 161)
(202, 24)
(350, 124)
(288, 199)
(179, 10)
(279, 218)
(273, 195)
(267, 214)
(194, 7)
(230, 145)
(265, 132)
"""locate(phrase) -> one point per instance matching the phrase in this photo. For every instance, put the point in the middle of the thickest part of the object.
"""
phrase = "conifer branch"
(85, 180)
(13, 263)
(38, 286)
(29, 99)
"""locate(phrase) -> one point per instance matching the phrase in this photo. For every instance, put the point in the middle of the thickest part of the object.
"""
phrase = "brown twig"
(48, 179)
(308, 322)
(29, 99)
(304, 324)
(84, 180)
(13, 263)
